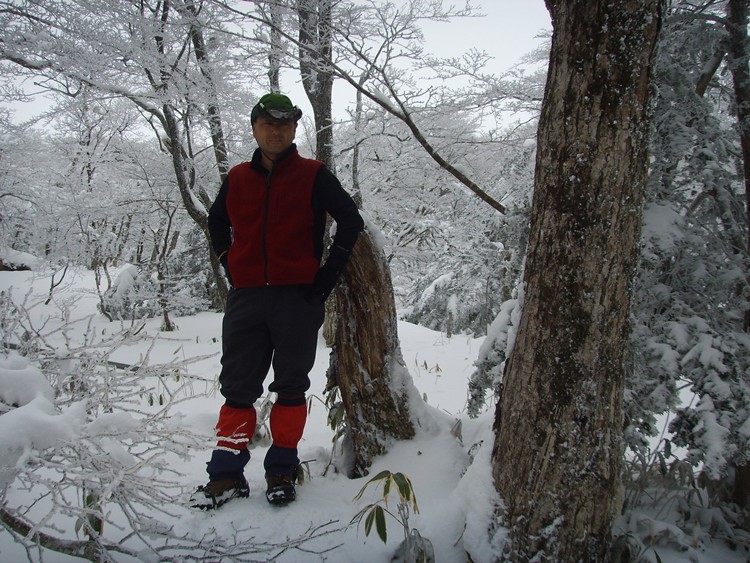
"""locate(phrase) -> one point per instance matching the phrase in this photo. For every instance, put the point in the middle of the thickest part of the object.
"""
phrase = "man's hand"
(224, 260)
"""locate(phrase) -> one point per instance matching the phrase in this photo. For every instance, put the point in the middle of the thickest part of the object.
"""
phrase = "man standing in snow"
(266, 226)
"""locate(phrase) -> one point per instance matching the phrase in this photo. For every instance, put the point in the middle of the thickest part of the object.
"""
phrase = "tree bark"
(213, 112)
(315, 44)
(275, 48)
(558, 446)
(315, 52)
(366, 361)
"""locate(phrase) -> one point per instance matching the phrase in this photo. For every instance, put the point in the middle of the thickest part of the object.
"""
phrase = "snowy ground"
(455, 495)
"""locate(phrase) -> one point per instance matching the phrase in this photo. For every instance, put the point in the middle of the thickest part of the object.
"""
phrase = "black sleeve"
(334, 199)
(340, 206)
(219, 227)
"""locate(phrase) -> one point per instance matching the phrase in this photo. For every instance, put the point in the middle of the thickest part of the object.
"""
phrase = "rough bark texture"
(558, 444)
(366, 359)
(314, 53)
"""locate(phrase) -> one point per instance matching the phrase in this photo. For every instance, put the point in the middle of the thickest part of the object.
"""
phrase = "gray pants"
(265, 326)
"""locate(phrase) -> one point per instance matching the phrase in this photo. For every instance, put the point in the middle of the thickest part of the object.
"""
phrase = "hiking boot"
(219, 491)
(281, 489)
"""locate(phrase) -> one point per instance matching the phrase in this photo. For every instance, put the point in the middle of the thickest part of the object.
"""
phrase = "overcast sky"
(506, 32)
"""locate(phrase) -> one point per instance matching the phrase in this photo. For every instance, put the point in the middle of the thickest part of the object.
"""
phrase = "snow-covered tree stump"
(366, 361)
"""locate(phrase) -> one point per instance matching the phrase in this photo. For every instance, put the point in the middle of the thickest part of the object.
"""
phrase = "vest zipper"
(264, 234)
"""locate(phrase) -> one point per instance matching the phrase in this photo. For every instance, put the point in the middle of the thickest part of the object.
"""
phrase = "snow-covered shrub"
(192, 284)
(453, 258)
(492, 356)
(13, 260)
(139, 293)
(82, 449)
(668, 508)
(464, 290)
(133, 295)
(690, 353)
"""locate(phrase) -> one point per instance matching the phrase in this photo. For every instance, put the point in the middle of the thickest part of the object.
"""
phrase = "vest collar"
(257, 160)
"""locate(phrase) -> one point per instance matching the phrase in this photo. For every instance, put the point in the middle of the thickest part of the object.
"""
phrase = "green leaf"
(382, 475)
(662, 464)
(404, 486)
(387, 488)
(358, 517)
(380, 523)
(369, 521)
(376, 516)
(406, 490)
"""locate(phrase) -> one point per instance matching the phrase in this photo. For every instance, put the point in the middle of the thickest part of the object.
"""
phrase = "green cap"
(275, 106)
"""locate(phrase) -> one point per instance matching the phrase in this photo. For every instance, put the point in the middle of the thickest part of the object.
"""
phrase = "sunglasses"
(279, 114)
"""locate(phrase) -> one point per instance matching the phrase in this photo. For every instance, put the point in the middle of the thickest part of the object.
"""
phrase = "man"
(267, 225)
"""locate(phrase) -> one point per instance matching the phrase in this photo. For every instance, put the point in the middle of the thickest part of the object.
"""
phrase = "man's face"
(274, 136)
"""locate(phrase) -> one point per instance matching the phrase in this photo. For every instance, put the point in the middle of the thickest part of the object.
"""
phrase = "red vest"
(272, 220)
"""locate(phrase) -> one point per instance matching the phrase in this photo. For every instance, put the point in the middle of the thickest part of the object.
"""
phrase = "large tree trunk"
(366, 361)
(558, 445)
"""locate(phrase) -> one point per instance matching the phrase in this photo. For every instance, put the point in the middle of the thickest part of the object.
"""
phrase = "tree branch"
(399, 110)
(86, 549)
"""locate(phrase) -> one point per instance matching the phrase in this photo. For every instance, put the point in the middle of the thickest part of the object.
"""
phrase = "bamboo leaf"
(387, 488)
(382, 475)
(406, 490)
(358, 517)
(380, 523)
(404, 486)
(369, 521)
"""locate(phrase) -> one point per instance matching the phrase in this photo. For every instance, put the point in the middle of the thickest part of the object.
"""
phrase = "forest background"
(122, 165)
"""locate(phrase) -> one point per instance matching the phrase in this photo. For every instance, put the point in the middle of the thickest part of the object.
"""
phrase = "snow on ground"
(434, 461)
(455, 496)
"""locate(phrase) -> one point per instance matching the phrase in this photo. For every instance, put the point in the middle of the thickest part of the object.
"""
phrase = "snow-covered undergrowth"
(89, 445)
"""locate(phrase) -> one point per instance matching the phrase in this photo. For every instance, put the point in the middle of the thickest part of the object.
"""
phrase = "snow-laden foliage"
(24, 185)
(100, 191)
(100, 198)
(453, 258)
(492, 356)
(88, 435)
(178, 286)
(689, 348)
